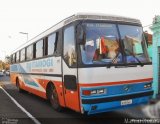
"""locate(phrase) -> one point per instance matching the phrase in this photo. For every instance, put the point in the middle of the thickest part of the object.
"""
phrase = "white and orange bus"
(90, 63)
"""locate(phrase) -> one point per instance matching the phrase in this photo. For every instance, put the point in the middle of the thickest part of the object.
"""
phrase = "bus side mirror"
(81, 35)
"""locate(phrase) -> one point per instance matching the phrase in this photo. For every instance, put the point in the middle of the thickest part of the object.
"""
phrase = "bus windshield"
(103, 45)
(134, 44)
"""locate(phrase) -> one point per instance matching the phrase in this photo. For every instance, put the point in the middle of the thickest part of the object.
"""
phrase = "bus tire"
(53, 98)
(18, 86)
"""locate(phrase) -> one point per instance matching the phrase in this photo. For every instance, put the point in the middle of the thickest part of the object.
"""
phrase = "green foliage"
(2, 65)
(8, 59)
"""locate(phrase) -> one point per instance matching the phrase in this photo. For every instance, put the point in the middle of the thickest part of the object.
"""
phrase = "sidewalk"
(9, 112)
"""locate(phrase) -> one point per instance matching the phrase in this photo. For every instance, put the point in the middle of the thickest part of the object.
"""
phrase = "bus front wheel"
(54, 99)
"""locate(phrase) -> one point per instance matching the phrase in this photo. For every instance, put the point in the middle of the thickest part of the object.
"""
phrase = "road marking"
(19, 106)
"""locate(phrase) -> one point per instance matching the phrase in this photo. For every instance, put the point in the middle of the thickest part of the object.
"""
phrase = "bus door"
(70, 86)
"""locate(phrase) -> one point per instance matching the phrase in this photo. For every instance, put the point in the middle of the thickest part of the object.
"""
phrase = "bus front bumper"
(98, 105)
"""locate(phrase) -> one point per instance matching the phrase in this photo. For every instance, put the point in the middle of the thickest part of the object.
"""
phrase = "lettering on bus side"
(39, 64)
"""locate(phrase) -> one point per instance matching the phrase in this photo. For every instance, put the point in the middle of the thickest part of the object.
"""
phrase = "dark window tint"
(29, 55)
(39, 49)
(45, 46)
(22, 58)
(58, 44)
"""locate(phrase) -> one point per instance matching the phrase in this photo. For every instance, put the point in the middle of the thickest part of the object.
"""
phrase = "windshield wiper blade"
(131, 53)
(125, 66)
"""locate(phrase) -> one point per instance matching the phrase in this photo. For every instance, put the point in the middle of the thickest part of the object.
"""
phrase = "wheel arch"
(17, 80)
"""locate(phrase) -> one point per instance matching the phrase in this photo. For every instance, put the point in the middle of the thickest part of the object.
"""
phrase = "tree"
(7, 62)
(1, 65)
(8, 59)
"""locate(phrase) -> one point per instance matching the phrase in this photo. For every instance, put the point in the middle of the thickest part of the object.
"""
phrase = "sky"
(35, 16)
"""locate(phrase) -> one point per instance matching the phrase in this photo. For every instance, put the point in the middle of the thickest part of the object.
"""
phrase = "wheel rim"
(54, 99)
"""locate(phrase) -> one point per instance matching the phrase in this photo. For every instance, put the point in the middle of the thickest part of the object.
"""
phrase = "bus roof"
(79, 16)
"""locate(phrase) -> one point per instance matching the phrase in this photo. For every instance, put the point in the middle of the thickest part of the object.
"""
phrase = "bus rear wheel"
(54, 99)
(18, 86)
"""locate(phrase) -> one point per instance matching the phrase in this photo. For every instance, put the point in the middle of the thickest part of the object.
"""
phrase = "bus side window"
(14, 58)
(69, 52)
(56, 41)
(11, 59)
(51, 44)
(58, 44)
(39, 49)
(34, 50)
(22, 55)
(29, 52)
(17, 57)
(45, 46)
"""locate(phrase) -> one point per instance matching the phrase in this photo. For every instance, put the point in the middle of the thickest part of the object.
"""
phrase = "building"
(156, 55)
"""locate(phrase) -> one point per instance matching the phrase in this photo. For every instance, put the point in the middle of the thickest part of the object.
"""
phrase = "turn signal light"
(86, 92)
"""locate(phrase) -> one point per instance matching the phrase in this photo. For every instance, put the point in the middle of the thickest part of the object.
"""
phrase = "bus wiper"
(113, 60)
(125, 66)
(131, 53)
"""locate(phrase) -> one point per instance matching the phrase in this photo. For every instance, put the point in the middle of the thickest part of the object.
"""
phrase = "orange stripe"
(116, 83)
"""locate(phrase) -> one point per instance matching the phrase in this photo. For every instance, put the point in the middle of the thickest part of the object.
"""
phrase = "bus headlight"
(100, 91)
(148, 85)
(93, 92)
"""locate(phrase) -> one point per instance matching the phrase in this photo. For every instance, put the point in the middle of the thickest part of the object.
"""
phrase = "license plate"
(126, 102)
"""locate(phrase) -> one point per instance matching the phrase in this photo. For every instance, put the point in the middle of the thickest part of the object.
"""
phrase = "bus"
(90, 63)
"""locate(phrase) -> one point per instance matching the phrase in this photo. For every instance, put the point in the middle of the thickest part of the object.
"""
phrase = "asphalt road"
(43, 112)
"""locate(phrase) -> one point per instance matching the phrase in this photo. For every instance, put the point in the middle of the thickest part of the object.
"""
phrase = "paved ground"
(43, 112)
(10, 112)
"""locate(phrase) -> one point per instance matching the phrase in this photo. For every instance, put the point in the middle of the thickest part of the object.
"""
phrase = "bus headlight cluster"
(93, 92)
(148, 85)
